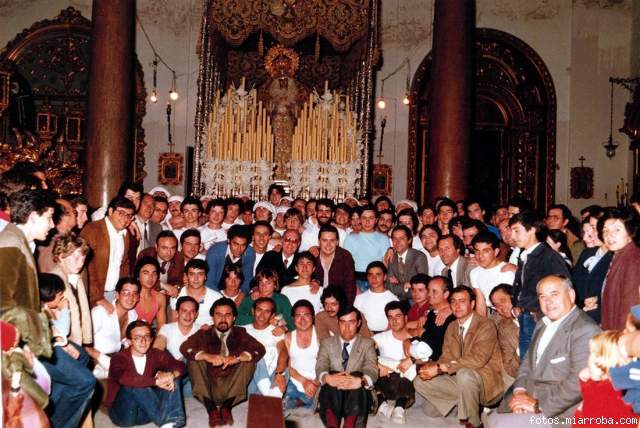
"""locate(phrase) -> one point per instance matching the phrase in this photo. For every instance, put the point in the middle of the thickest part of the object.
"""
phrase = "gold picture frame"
(382, 180)
(170, 169)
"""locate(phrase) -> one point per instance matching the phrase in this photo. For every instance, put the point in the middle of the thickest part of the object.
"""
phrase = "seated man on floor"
(468, 374)
(141, 386)
(302, 347)
(397, 371)
(347, 370)
(221, 362)
(326, 321)
(263, 331)
(547, 384)
(109, 327)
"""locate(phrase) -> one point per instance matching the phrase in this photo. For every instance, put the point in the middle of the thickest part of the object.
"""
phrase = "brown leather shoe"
(227, 418)
(215, 418)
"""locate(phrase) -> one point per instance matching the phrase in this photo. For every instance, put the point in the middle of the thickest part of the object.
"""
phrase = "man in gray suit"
(347, 370)
(405, 263)
(451, 250)
(546, 389)
(148, 230)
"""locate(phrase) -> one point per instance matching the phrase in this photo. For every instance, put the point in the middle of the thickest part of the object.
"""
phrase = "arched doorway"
(513, 140)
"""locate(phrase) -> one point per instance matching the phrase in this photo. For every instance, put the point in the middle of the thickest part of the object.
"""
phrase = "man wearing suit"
(547, 382)
(221, 362)
(283, 262)
(347, 370)
(235, 251)
(457, 267)
(334, 265)
(468, 374)
(536, 261)
(406, 262)
(171, 275)
(148, 230)
(109, 243)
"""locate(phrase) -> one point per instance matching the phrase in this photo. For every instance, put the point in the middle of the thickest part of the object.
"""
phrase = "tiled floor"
(197, 418)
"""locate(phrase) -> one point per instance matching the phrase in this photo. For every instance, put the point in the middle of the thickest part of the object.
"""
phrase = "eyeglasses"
(124, 213)
(145, 338)
(291, 241)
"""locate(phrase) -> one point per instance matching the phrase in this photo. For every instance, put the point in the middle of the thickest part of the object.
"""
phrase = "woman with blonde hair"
(69, 253)
(600, 400)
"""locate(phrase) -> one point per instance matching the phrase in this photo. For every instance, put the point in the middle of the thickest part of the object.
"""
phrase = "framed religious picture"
(581, 182)
(170, 167)
(381, 180)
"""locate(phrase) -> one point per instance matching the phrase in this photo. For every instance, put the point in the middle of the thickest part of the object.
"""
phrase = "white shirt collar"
(466, 324)
(557, 322)
(403, 255)
(531, 249)
(454, 266)
(233, 259)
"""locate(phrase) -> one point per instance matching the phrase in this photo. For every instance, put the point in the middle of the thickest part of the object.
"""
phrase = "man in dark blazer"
(457, 267)
(119, 215)
(341, 270)
(405, 263)
(171, 261)
(347, 369)
(221, 362)
(547, 381)
(235, 251)
(283, 262)
(536, 261)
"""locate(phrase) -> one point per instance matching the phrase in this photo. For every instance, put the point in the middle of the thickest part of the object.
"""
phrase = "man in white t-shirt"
(489, 272)
(212, 231)
(429, 235)
(173, 334)
(196, 272)
(262, 330)
(397, 370)
(108, 336)
(372, 302)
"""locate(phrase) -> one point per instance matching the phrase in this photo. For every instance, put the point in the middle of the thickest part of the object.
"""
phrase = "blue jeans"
(72, 385)
(527, 325)
(185, 384)
(139, 406)
(292, 395)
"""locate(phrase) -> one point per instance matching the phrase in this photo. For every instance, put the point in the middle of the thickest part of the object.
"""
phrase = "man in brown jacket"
(468, 374)
(108, 259)
(221, 362)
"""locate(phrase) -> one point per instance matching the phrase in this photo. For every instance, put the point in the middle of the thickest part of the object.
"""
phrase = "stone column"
(109, 137)
(452, 98)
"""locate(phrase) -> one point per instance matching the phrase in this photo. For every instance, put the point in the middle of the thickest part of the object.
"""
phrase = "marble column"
(451, 99)
(110, 117)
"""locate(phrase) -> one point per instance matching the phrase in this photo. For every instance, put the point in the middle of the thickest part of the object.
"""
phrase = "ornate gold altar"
(285, 93)
(44, 74)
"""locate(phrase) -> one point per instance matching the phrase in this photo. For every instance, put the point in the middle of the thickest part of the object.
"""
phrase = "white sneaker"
(397, 416)
(385, 409)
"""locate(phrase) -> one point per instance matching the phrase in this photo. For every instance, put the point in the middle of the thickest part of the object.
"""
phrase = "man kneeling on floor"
(347, 369)
(141, 386)
(221, 362)
(468, 374)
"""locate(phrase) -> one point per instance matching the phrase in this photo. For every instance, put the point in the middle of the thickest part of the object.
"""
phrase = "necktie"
(401, 266)
(163, 267)
(345, 355)
(146, 235)
(461, 339)
(450, 276)
(223, 345)
(286, 263)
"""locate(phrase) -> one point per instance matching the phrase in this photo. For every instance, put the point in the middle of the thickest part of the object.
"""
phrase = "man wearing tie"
(457, 267)
(405, 263)
(170, 260)
(468, 374)
(148, 229)
(347, 370)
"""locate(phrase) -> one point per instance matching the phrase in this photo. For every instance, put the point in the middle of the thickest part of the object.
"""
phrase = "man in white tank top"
(397, 370)
(302, 348)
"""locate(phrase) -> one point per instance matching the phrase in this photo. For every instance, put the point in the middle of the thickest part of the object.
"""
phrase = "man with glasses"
(283, 262)
(142, 383)
(109, 243)
(108, 325)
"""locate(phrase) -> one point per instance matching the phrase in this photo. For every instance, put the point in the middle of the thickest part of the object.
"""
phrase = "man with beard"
(325, 209)
(386, 221)
(221, 362)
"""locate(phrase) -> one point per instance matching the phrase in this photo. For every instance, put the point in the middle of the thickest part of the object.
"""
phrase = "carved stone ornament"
(170, 167)
(44, 121)
(341, 22)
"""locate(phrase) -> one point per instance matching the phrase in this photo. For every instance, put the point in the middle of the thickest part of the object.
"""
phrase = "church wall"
(582, 42)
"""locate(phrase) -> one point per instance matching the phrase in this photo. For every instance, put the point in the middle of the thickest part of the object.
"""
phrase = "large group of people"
(488, 314)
